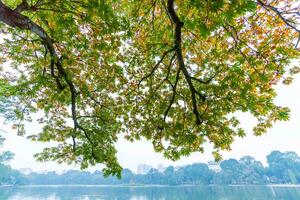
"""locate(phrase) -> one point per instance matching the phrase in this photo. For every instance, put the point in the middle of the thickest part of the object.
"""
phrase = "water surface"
(149, 193)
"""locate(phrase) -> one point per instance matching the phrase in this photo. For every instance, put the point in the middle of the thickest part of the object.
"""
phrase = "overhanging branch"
(15, 19)
(178, 49)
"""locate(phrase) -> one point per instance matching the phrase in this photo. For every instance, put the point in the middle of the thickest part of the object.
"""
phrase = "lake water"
(150, 193)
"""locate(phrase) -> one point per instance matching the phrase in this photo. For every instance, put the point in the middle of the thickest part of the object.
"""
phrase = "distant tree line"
(8, 176)
(283, 168)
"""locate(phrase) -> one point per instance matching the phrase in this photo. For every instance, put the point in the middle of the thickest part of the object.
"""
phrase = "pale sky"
(284, 136)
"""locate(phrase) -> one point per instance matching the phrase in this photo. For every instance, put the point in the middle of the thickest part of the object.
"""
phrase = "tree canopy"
(171, 71)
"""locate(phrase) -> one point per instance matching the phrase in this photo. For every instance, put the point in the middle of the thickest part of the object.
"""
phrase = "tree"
(197, 173)
(243, 172)
(284, 167)
(253, 171)
(6, 110)
(5, 156)
(8, 176)
(44, 38)
(170, 71)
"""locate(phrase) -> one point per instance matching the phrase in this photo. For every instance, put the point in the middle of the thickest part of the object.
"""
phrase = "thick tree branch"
(178, 48)
(22, 6)
(17, 20)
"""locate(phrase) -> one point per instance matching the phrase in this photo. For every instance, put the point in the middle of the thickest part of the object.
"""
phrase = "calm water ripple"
(149, 193)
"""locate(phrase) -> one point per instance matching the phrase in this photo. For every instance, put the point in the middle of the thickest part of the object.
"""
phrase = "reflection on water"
(150, 193)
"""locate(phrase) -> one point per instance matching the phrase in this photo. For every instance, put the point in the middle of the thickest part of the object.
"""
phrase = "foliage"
(284, 167)
(170, 71)
(245, 171)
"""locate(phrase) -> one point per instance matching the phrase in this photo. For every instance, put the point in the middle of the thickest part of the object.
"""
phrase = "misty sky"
(283, 136)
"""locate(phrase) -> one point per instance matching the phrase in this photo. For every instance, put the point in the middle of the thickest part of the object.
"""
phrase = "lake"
(150, 193)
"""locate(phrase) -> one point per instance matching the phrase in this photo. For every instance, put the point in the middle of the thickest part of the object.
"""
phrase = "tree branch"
(178, 48)
(280, 15)
(155, 67)
(22, 6)
(15, 19)
(173, 96)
